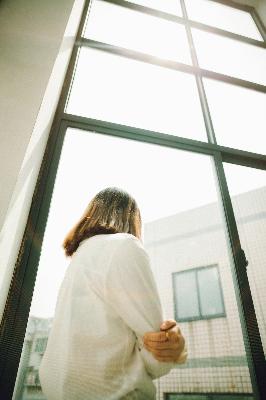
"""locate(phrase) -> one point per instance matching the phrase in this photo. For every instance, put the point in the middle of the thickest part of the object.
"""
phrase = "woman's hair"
(112, 210)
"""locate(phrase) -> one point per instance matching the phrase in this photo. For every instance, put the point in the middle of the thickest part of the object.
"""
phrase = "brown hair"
(112, 210)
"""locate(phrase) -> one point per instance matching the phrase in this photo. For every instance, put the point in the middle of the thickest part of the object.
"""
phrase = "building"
(190, 254)
(192, 266)
(28, 385)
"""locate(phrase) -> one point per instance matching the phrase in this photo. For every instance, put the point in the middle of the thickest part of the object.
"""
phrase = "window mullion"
(198, 295)
(201, 90)
(225, 33)
(258, 23)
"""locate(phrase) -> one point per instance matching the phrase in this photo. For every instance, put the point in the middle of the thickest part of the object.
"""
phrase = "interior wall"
(30, 35)
(36, 41)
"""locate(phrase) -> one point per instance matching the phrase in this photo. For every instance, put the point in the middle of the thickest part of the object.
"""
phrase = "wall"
(36, 40)
(31, 33)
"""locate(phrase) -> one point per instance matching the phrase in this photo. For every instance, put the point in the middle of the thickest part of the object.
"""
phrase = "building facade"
(190, 255)
(191, 262)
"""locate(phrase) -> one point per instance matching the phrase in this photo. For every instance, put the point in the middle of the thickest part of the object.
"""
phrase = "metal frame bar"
(186, 21)
(210, 396)
(14, 322)
(174, 65)
(259, 24)
(250, 330)
(199, 81)
(228, 154)
(233, 4)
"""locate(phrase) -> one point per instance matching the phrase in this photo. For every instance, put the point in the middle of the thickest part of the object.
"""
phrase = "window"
(116, 25)
(153, 89)
(223, 17)
(198, 294)
(229, 57)
(40, 344)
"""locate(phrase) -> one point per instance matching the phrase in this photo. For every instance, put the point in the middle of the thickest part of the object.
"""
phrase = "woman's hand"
(168, 345)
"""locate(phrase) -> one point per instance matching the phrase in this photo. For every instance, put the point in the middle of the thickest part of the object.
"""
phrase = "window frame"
(15, 316)
(201, 316)
(211, 395)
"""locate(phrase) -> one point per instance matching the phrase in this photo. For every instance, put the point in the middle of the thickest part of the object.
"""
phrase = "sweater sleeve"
(132, 293)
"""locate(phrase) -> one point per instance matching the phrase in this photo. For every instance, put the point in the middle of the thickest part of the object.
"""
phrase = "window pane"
(116, 25)
(117, 89)
(211, 302)
(238, 115)
(187, 306)
(223, 17)
(247, 187)
(169, 6)
(230, 57)
(183, 228)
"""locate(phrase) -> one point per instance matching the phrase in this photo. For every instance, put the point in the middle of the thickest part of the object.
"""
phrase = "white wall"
(30, 36)
(36, 40)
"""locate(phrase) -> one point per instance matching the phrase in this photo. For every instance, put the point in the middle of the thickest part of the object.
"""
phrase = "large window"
(198, 294)
(161, 98)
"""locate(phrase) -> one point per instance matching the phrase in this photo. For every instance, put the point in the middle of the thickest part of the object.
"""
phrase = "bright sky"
(164, 181)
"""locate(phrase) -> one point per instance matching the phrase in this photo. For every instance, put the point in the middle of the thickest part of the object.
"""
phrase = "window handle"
(242, 258)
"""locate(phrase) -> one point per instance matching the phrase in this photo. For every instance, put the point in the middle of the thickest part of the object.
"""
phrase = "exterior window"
(40, 345)
(198, 294)
(154, 93)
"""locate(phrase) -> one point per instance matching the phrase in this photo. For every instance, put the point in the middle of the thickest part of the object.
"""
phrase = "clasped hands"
(168, 345)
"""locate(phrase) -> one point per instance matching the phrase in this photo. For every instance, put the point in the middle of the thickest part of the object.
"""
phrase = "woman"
(105, 342)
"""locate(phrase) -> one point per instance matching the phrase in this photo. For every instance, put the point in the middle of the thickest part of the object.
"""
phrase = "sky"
(164, 182)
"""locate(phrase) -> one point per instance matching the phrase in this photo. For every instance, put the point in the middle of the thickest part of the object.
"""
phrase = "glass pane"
(238, 115)
(116, 89)
(169, 6)
(186, 307)
(211, 302)
(248, 188)
(116, 25)
(183, 229)
(230, 57)
(223, 17)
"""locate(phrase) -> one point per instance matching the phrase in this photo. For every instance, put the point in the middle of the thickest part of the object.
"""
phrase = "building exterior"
(28, 385)
(191, 262)
(190, 255)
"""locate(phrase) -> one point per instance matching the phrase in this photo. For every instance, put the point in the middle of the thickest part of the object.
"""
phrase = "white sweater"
(107, 301)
